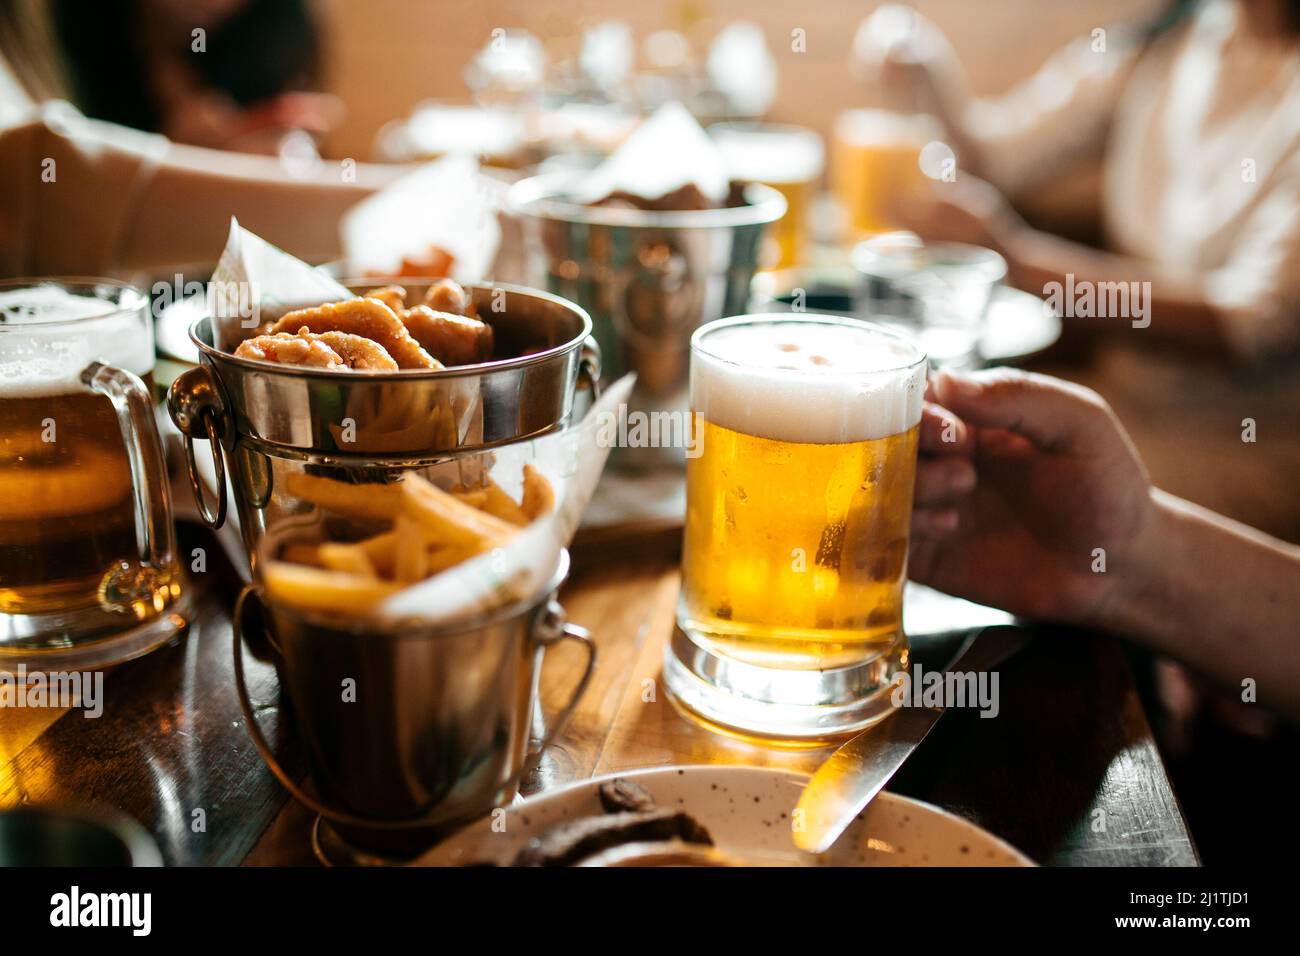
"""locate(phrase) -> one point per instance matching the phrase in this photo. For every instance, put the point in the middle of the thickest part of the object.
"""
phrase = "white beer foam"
(777, 157)
(861, 127)
(807, 381)
(39, 356)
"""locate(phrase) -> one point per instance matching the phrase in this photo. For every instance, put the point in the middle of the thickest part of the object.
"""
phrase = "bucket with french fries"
(411, 726)
(405, 479)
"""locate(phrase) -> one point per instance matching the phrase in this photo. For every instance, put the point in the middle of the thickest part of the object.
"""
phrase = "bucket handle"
(589, 367)
(196, 407)
(550, 627)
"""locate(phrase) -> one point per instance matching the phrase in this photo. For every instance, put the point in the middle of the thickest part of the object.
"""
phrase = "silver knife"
(853, 775)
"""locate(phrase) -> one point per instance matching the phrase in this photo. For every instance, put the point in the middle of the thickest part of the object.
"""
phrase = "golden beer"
(88, 572)
(875, 162)
(807, 571)
(66, 507)
(797, 517)
(791, 160)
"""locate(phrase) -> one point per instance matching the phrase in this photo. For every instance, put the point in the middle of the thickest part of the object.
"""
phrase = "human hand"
(1021, 479)
(968, 210)
(903, 52)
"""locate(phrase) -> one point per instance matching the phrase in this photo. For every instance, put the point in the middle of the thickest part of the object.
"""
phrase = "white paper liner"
(253, 275)
(572, 461)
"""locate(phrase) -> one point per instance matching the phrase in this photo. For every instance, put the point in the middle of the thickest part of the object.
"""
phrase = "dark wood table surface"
(1068, 772)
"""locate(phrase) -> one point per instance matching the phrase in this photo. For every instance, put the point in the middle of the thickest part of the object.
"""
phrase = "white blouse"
(1201, 174)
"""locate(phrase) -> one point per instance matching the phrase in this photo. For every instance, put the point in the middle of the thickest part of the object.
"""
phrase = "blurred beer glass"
(797, 517)
(88, 572)
(791, 160)
(875, 162)
(938, 292)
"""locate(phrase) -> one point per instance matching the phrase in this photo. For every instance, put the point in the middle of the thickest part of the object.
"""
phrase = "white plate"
(747, 811)
(1019, 324)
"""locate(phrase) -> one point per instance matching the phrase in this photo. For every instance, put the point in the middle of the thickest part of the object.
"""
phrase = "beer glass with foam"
(875, 162)
(798, 510)
(88, 572)
(790, 159)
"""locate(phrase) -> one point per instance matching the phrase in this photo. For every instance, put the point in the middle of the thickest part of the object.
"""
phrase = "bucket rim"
(215, 355)
(541, 197)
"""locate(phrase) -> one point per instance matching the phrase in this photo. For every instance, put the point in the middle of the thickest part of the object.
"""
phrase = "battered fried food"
(369, 318)
(393, 296)
(447, 295)
(288, 349)
(357, 351)
(452, 339)
(329, 350)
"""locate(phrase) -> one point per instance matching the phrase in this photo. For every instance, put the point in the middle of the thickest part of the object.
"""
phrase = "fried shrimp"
(393, 296)
(357, 351)
(452, 339)
(287, 349)
(447, 295)
(329, 350)
(369, 318)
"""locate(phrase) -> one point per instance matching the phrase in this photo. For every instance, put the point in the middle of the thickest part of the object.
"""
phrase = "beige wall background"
(385, 56)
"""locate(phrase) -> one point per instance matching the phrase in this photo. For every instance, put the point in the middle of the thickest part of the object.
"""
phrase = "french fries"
(380, 550)
(430, 531)
(318, 589)
(356, 501)
(411, 562)
(447, 518)
(346, 557)
(539, 497)
(302, 554)
(500, 505)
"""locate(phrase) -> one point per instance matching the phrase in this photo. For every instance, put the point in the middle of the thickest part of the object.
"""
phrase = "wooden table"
(1068, 773)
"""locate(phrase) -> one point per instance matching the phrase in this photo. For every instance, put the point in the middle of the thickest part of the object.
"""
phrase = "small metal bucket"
(649, 279)
(266, 422)
(412, 731)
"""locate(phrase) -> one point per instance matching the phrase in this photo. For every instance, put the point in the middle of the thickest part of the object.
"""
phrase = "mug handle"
(551, 628)
(155, 532)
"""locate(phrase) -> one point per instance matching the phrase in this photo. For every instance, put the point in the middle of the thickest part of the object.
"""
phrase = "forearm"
(184, 212)
(107, 199)
(1176, 306)
(1217, 595)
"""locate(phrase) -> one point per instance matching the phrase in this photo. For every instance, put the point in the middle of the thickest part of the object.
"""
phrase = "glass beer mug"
(791, 160)
(798, 508)
(88, 569)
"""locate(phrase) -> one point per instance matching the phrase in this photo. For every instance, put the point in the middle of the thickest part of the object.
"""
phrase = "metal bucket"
(266, 422)
(437, 730)
(649, 279)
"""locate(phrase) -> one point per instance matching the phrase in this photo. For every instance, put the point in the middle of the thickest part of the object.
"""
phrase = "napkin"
(448, 203)
(253, 274)
(666, 152)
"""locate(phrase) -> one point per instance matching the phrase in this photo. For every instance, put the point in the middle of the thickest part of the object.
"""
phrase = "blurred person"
(1023, 478)
(1196, 121)
(228, 74)
(80, 196)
